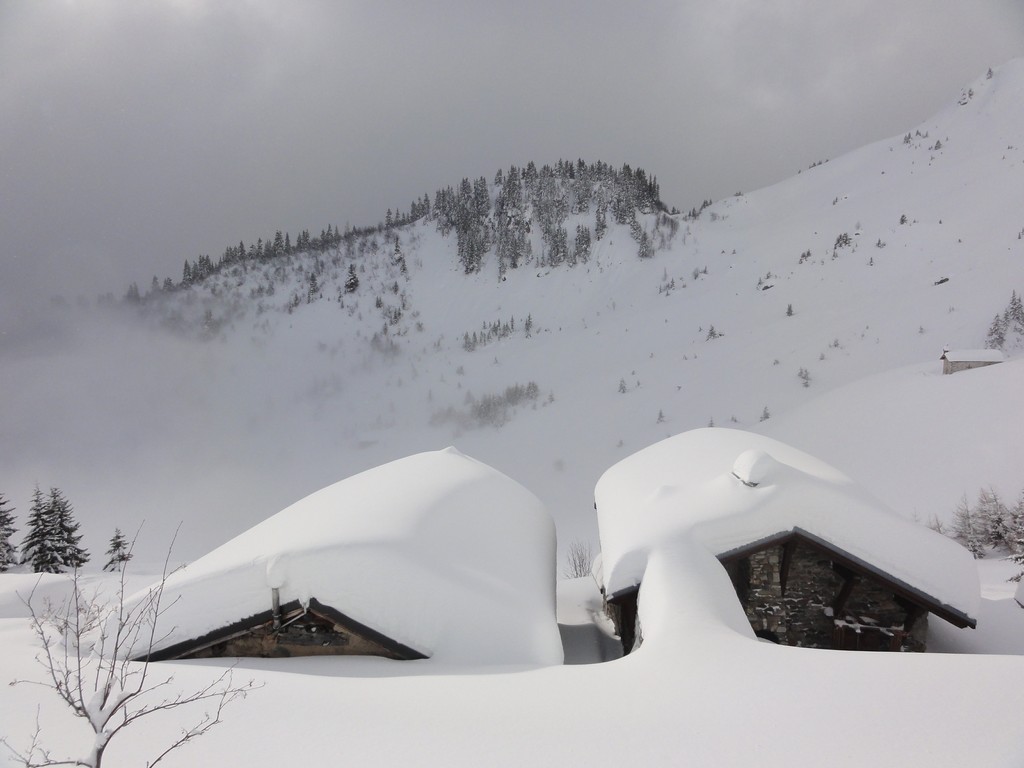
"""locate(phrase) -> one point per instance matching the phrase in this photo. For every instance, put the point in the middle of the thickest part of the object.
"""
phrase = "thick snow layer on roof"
(723, 489)
(974, 355)
(437, 551)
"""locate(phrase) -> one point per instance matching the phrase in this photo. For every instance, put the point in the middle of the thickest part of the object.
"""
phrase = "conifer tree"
(966, 529)
(992, 518)
(974, 544)
(581, 253)
(1018, 559)
(399, 258)
(471, 208)
(512, 225)
(635, 230)
(7, 529)
(119, 553)
(352, 281)
(600, 221)
(644, 251)
(1013, 317)
(1016, 536)
(70, 554)
(963, 519)
(996, 333)
(38, 548)
(481, 199)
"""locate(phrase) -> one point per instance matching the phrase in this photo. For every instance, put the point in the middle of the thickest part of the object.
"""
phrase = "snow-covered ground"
(711, 697)
(133, 423)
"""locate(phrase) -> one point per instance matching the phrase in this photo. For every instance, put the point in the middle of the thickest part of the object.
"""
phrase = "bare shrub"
(88, 645)
(578, 559)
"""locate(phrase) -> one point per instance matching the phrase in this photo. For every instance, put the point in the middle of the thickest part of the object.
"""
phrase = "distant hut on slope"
(956, 360)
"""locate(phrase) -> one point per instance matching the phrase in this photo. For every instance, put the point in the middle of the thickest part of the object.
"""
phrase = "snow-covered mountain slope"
(233, 415)
(264, 391)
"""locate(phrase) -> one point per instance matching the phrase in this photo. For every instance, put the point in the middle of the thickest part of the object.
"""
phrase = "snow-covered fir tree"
(119, 553)
(996, 337)
(963, 519)
(600, 221)
(1007, 327)
(52, 542)
(992, 518)
(1013, 316)
(967, 528)
(66, 529)
(511, 222)
(38, 549)
(644, 251)
(1016, 536)
(581, 251)
(8, 556)
(352, 281)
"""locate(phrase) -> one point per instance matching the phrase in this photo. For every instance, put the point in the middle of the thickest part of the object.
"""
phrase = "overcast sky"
(137, 133)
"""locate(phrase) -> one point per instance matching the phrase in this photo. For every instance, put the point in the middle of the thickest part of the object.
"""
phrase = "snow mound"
(437, 551)
(691, 493)
(754, 468)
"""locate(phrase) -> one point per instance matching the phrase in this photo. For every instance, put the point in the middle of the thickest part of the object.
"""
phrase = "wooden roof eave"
(243, 626)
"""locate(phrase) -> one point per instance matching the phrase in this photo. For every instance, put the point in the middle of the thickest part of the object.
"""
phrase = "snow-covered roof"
(722, 490)
(436, 551)
(972, 355)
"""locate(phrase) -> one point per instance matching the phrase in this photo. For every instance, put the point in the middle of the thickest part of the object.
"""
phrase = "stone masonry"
(871, 618)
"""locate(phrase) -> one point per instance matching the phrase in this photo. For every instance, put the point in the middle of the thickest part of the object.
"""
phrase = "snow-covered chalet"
(812, 559)
(432, 556)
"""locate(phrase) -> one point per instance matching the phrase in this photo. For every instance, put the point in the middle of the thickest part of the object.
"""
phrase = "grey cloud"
(139, 134)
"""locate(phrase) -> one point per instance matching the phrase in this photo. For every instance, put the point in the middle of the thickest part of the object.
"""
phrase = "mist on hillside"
(224, 400)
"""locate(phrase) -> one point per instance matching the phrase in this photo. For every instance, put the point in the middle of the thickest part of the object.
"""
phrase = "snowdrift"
(436, 551)
(721, 489)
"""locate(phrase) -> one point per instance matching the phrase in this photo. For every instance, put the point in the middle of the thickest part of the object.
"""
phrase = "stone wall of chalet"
(803, 615)
(963, 365)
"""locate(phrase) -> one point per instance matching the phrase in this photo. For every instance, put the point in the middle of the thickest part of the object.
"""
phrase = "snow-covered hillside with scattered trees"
(550, 321)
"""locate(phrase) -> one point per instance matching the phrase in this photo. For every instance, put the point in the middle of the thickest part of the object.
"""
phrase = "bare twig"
(87, 652)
